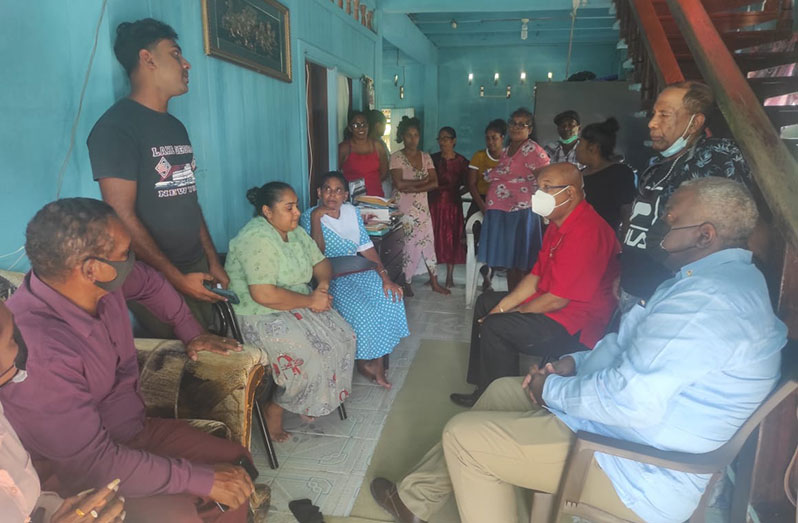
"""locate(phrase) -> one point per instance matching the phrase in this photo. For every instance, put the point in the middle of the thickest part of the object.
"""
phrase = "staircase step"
(782, 115)
(755, 61)
(734, 40)
(711, 6)
(725, 22)
(773, 86)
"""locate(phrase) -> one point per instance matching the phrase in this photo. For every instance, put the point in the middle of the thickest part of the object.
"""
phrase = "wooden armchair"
(550, 507)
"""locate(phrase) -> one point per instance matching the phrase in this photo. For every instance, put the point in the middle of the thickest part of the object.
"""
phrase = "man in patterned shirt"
(677, 129)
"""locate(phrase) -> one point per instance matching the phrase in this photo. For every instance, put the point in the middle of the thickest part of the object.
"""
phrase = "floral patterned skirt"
(312, 357)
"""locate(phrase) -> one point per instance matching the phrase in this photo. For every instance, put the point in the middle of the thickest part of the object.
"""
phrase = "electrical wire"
(72, 134)
(74, 130)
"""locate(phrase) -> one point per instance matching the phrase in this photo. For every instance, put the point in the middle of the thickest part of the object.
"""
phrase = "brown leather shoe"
(386, 496)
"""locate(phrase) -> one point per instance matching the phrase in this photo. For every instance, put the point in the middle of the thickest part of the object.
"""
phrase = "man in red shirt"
(566, 300)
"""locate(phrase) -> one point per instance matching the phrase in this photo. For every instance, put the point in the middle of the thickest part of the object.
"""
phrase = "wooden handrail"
(656, 42)
(775, 170)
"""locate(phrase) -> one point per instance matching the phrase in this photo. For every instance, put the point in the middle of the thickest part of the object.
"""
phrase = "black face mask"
(656, 235)
(123, 268)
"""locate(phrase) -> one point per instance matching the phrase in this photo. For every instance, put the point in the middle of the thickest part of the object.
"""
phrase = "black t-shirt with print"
(135, 143)
(640, 275)
(609, 189)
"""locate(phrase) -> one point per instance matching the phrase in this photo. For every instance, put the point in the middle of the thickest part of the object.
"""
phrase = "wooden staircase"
(730, 44)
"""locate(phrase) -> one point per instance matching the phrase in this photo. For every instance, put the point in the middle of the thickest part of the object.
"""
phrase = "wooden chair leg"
(741, 494)
(267, 440)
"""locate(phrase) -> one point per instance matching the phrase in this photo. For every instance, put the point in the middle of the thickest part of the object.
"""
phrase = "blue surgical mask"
(680, 142)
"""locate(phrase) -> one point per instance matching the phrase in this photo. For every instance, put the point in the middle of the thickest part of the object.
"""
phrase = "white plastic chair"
(472, 265)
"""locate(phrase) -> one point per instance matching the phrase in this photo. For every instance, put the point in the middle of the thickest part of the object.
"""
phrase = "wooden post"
(656, 42)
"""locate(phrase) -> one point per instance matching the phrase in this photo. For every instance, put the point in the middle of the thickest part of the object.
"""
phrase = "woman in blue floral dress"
(369, 300)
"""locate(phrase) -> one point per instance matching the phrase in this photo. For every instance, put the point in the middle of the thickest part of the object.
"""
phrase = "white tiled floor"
(326, 460)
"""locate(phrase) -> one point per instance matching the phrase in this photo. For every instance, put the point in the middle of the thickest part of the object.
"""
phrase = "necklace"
(667, 174)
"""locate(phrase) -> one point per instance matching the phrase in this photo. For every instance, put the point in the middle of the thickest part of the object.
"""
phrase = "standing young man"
(143, 160)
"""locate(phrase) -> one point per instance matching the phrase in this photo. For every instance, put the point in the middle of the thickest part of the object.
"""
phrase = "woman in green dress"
(310, 346)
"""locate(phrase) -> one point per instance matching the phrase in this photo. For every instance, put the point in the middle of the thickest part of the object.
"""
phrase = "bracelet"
(383, 271)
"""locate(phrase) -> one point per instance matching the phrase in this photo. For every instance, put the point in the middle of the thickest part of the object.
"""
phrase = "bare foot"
(437, 288)
(366, 370)
(307, 419)
(274, 422)
(407, 290)
(374, 370)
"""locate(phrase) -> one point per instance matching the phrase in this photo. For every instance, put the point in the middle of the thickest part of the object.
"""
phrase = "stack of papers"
(377, 211)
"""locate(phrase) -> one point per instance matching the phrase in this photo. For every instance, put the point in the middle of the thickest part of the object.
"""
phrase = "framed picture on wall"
(253, 33)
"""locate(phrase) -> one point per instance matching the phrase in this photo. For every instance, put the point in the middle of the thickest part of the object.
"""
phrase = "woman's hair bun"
(611, 125)
(252, 195)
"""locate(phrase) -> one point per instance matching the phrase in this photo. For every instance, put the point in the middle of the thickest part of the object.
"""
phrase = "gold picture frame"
(255, 34)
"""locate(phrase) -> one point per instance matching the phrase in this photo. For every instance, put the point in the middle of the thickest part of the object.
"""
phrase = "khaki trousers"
(503, 442)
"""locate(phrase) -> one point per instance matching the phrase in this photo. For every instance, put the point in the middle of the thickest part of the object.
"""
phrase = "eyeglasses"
(359, 125)
(445, 138)
(338, 191)
(517, 124)
(547, 188)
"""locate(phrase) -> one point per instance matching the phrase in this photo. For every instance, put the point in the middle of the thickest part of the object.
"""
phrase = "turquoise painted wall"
(246, 128)
(459, 104)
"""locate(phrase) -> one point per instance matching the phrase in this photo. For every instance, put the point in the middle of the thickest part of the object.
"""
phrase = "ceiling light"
(550, 75)
(496, 79)
(470, 78)
(523, 77)
(524, 28)
(453, 23)
(396, 79)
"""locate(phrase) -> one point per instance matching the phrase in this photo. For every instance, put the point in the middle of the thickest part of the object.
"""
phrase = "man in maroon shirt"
(79, 413)
(566, 299)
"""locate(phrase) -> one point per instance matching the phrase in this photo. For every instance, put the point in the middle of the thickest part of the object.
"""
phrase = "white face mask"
(544, 203)
(679, 144)
(20, 376)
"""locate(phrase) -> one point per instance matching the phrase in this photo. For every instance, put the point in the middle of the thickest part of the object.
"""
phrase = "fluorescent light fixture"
(396, 79)
(470, 78)
(495, 78)
(523, 77)
(550, 75)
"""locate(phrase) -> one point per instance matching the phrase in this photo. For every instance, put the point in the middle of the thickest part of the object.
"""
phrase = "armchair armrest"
(215, 387)
(706, 463)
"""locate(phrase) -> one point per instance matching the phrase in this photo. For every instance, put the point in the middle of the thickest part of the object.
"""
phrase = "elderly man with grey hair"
(684, 372)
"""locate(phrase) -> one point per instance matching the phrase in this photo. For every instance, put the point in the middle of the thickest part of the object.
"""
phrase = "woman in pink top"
(362, 157)
(413, 175)
(511, 232)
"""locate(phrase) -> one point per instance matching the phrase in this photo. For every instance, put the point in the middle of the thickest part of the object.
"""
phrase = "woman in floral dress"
(413, 176)
(310, 346)
(368, 300)
(511, 232)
